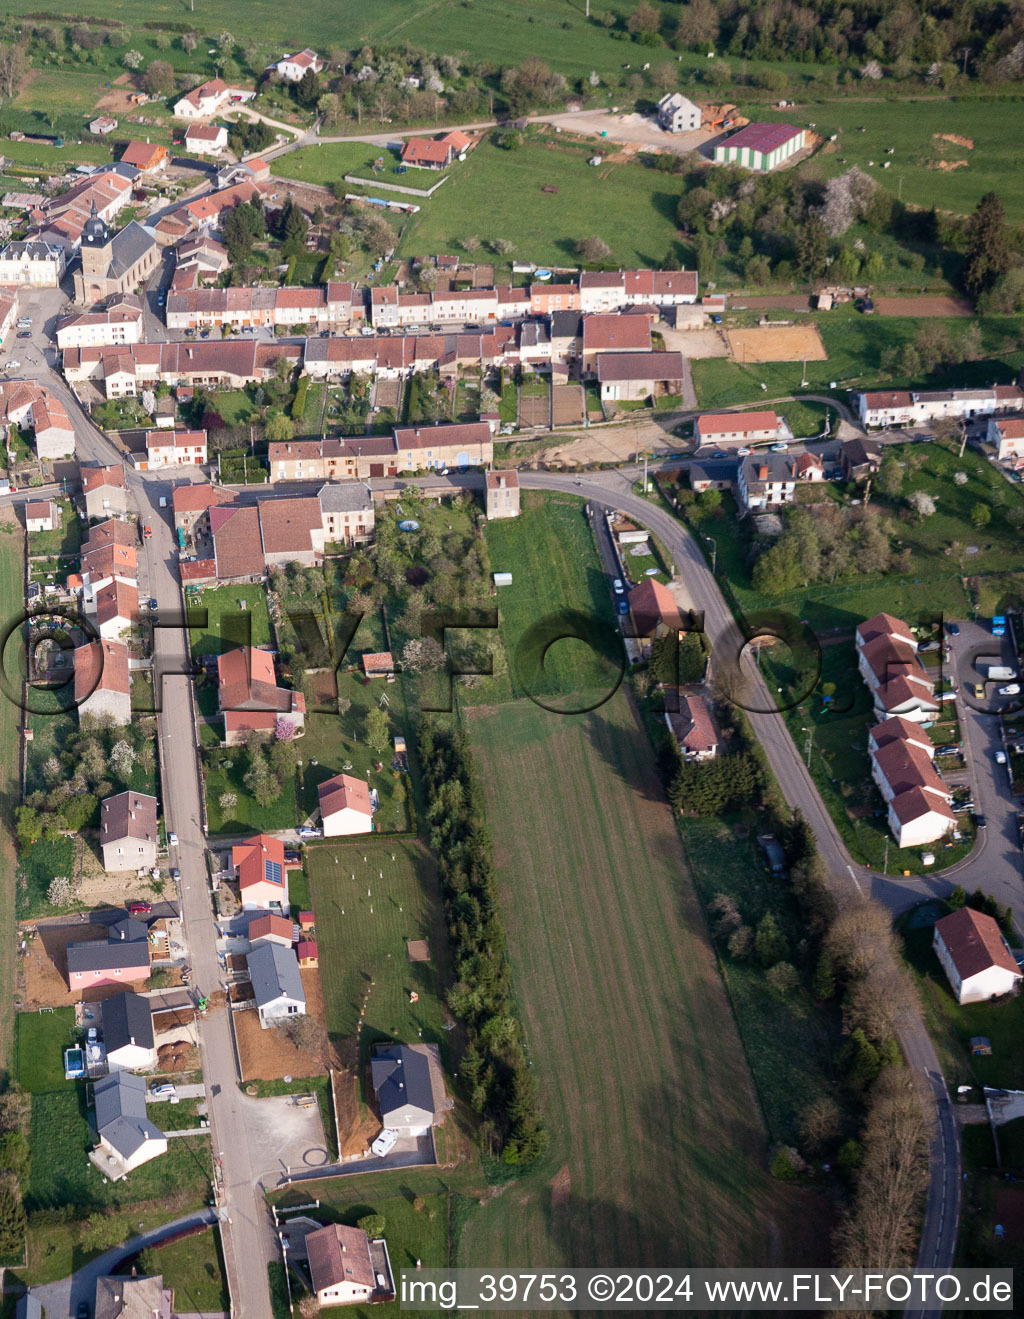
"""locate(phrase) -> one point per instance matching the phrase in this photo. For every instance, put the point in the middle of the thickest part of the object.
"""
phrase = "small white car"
(163, 1091)
(745, 452)
(307, 832)
(617, 586)
(384, 1143)
(1012, 690)
(781, 447)
(172, 840)
(1000, 757)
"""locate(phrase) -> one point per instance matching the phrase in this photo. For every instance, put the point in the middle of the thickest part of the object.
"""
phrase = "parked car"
(147, 532)
(162, 1088)
(950, 749)
(307, 832)
(1000, 757)
(139, 908)
(623, 606)
(953, 629)
(172, 840)
(927, 646)
(175, 873)
(720, 453)
(745, 452)
(24, 334)
(152, 602)
(617, 586)
(83, 1310)
(384, 1143)
(1011, 689)
(980, 822)
(781, 447)
(962, 807)
(290, 854)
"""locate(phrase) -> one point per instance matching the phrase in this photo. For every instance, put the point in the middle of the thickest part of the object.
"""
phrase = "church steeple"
(96, 232)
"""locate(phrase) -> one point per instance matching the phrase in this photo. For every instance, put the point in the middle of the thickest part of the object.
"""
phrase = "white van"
(384, 1143)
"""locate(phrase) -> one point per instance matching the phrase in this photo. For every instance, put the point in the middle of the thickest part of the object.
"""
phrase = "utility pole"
(963, 436)
(645, 474)
(966, 48)
(810, 735)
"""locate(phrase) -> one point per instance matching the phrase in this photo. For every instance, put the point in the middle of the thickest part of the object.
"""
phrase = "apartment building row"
(917, 801)
(895, 407)
(406, 449)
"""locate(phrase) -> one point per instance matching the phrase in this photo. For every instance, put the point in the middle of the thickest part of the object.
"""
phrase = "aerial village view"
(512, 572)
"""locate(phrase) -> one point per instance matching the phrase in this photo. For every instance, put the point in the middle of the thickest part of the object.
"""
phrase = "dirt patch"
(534, 410)
(609, 444)
(936, 306)
(703, 342)
(387, 393)
(418, 950)
(358, 1125)
(118, 98)
(949, 165)
(567, 403)
(179, 1057)
(45, 964)
(325, 688)
(270, 1054)
(786, 343)
(561, 1187)
(956, 139)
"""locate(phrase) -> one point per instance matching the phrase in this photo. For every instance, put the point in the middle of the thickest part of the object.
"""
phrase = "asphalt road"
(848, 882)
(247, 1232)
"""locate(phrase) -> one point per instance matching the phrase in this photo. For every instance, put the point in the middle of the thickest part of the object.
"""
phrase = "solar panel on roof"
(272, 871)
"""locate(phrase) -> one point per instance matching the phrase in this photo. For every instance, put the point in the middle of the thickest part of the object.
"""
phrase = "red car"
(147, 532)
(139, 908)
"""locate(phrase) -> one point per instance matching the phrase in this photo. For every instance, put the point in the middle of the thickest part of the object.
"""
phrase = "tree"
(694, 205)
(922, 503)
(820, 1123)
(782, 978)
(373, 1225)
(374, 233)
(264, 786)
(890, 478)
(645, 20)
(981, 515)
(132, 59)
(423, 655)
(812, 248)
(823, 985)
(237, 236)
(307, 89)
(279, 428)
(122, 757)
(698, 25)
(227, 801)
(770, 944)
(593, 248)
(378, 730)
(189, 42)
(159, 78)
(15, 1155)
(741, 943)
(13, 64)
(225, 43)
(988, 246)
(12, 1216)
(847, 198)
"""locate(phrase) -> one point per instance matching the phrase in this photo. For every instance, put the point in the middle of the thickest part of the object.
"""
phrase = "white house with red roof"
(259, 868)
(718, 428)
(293, 68)
(917, 801)
(1007, 434)
(209, 98)
(345, 806)
(693, 728)
(173, 448)
(206, 139)
(975, 956)
(887, 661)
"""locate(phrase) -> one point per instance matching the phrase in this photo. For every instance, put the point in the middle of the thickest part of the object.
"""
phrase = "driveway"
(63, 1298)
(408, 1152)
(289, 1138)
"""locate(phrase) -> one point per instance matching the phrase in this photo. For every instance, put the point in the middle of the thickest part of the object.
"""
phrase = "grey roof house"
(127, 1023)
(133, 1298)
(276, 982)
(127, 1138)
(409, 1085)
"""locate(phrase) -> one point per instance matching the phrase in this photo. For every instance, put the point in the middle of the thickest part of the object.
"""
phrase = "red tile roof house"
(379, 665)
(276, 929)
(237, 544)
(206, 139)
(654, 610)
(342, 1267)
(292, 531)
(345, 806)
(307, 953)
(105, 491)
(249, 697)
(693, 727)
(888, 663)
(607, 332)
(434, 153)
(115, 609)
(259, 867)
(42, 516)
(102, 681)
(975, 956)
(145, 156)
(743, 428)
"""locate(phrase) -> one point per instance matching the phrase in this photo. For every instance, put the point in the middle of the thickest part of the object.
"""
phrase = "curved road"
(848, 882)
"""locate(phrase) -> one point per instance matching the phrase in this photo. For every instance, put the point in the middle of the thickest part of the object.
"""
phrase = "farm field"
(912, 128)
(363, 926)
(854, 344)
(11, 551)
(642, 1075)
(632, 206)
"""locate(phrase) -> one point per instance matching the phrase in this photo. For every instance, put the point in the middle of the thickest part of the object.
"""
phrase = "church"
(113, 263)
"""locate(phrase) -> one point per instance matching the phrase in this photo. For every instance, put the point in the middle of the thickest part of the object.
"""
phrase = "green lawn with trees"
(194, 1267)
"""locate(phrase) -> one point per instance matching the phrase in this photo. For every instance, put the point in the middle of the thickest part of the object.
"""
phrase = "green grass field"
(194, 1268)
(42, 1039)
(630, 206)
(364, 964)
(331, 161)
(12, 543)
(855, 344)
(911, 127)
(550, 552)
(228, 623)
(225, 770)
(790, 1044)
(657, 1145)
